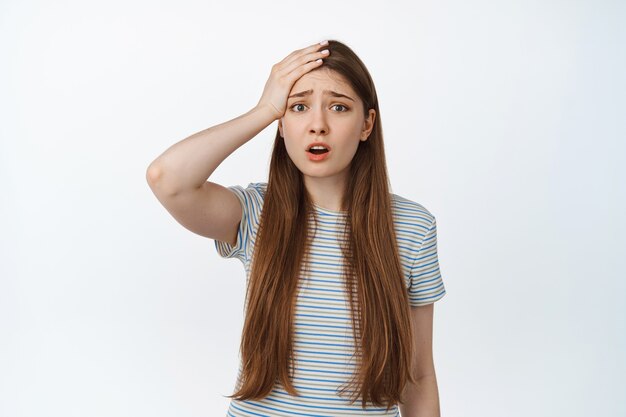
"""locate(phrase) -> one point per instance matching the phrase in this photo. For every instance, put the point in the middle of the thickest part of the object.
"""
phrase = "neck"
(326, 192)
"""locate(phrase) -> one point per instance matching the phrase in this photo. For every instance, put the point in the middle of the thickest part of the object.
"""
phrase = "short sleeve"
(251, 200)
(425, 282)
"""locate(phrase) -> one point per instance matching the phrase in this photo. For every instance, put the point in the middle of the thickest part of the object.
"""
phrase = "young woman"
(341, 273)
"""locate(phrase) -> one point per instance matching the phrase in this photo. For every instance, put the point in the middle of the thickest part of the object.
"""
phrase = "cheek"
(291, 146)
(351, 148)
(286, 129)
(351, 137)
(290, 136)
(350, 129)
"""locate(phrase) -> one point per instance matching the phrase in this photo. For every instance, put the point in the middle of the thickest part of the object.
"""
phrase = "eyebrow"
(327, 92)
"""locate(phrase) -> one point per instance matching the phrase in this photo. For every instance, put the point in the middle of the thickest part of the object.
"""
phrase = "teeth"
(317, 147)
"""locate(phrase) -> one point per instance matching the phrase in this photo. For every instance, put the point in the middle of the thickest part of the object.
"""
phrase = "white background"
(504, 118)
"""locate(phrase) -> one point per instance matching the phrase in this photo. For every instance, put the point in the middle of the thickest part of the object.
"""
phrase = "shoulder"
(258, 187)
(411, 216)
(254, 190)
(251, 197)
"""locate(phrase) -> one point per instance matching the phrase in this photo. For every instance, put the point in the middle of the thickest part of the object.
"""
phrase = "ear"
(368, 125)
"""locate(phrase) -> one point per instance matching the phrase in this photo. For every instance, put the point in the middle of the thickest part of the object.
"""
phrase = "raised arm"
(178, 177)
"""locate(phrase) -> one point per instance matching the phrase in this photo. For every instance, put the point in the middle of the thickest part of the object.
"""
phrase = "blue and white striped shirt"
(323, 334)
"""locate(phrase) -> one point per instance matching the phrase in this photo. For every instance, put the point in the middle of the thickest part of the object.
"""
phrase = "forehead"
(323, 79)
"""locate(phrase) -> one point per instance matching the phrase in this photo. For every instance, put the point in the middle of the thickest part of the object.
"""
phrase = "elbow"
(154, 177)
(153, 173)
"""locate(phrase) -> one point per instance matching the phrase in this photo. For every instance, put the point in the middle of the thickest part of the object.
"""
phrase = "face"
(318, 116)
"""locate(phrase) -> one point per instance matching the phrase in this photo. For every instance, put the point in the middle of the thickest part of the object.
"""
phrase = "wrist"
(267, 111)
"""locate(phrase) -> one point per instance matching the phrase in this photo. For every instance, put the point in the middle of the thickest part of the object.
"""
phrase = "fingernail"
(324, 43)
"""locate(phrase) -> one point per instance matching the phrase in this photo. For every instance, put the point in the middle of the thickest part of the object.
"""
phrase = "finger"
(299, 70)
(303, 60)
(303, 51)
(289, 59)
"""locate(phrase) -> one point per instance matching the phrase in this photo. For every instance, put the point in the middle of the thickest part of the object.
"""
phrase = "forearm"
(189, 163)
(421, 399)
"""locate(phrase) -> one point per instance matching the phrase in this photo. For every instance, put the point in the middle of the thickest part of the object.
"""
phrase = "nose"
(319, 124)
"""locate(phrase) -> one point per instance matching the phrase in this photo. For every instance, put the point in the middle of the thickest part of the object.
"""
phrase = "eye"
(294, 105)
(341, 105)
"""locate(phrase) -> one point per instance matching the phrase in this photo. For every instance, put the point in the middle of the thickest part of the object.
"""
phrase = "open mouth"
(318, 149)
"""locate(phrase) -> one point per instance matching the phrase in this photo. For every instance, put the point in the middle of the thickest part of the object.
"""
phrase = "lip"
(320, 157)
(324, 144)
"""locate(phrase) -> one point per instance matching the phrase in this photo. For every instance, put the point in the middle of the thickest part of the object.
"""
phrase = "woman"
(341, 273)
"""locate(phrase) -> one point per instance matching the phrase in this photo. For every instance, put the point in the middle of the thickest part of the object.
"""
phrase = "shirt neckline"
(331, 212)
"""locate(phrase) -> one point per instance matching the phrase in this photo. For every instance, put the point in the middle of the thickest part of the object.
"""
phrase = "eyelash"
(300, 104)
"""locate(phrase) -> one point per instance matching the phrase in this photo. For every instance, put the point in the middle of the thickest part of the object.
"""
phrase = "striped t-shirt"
(323, 334)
